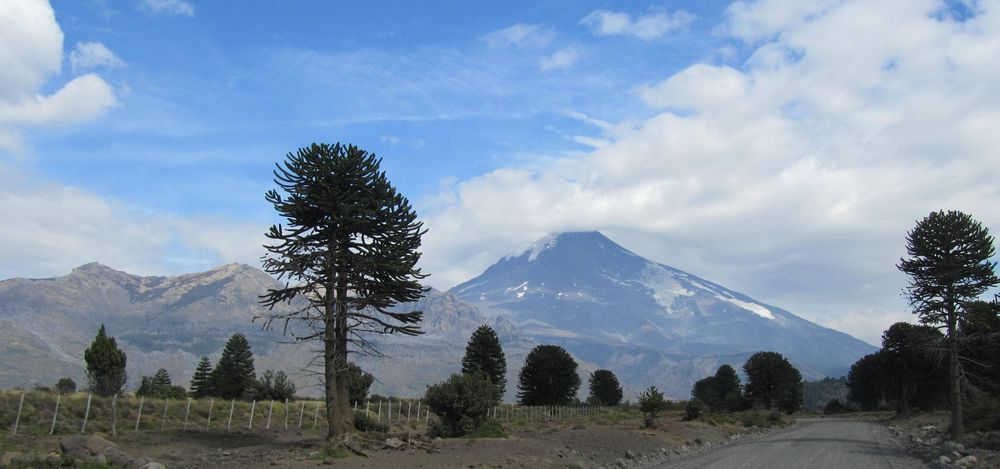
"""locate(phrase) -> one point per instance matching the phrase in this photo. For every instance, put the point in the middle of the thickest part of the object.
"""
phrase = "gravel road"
(812, 444)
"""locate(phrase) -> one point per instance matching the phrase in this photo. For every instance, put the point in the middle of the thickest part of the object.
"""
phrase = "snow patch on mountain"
(664, 284)
(536, 248)
(752, 307)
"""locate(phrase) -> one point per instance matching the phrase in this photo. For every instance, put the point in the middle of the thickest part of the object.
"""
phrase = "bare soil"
(535, 445)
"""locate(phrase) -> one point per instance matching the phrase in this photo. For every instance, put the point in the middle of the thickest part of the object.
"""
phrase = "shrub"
(65, 386)
(274, 386)
(489, 429)
(834, 407)
(364, 423)
(462, 402)
(982, 414)
(694, 409)
(651, 403)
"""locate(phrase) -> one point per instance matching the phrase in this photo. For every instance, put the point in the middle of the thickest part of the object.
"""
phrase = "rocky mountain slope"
(649, 323)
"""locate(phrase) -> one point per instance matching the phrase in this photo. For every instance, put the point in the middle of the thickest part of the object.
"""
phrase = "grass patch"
(489, 429)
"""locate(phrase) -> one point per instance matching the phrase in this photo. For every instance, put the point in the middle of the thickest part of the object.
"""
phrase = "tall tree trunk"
(954, 391)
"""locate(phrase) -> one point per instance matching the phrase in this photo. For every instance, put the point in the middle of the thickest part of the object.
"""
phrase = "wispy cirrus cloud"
(560, 59)
(520, 35)
(168, 7)
(645, 27)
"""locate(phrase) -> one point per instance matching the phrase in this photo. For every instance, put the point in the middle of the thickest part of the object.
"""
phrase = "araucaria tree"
(772, 382)
(234, 376)
(949, 268)
(201, 382)
(604, 388)
(548, 377)
(348, 252)
(105, 365)
(484, 355)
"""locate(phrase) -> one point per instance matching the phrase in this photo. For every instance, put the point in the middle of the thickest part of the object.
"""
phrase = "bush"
(65, 386)
(694, 409)
(982, 414)
(651, 403)
(489, 429)
(274, 386)
(364, 423)
(462, 402)
(759, 418)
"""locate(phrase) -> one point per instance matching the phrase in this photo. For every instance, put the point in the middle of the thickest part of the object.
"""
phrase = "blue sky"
(781, 148)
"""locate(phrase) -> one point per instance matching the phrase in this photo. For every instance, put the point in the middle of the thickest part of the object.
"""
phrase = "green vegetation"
(548, 377)
(274, 386)
(720, 392)
(348, 252)
(358, 382)
(485, 355)
(462, 403)
(651, 403)
(234, 376)
(105, 365)
(159, 386)
(604, 388)
(201, 382)
(772, 382)
(65, 386)
(949, 267)
(488, 429)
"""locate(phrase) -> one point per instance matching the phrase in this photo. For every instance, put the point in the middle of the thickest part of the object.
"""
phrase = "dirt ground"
(536, 445)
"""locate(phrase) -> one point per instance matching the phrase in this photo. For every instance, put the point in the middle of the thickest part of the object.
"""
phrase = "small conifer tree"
(604, 388)
(234, 376)
(201, 382)
(358, 382)
(105, 365)
(485, 355)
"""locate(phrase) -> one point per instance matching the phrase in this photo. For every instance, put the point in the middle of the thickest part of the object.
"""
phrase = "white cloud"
(520, 35)
(31, 51)
(88, 55)
(563, 58)
(646, 27)
(168, 7)
(50, 228)
(793, 177)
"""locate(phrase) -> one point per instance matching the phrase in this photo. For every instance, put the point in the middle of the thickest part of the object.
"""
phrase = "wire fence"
(46, 413)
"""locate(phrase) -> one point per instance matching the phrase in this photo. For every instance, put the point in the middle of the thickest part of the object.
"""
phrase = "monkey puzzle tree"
(347, 253)
(604, 388)
(949, 268)
(485, 355)
(548, 377)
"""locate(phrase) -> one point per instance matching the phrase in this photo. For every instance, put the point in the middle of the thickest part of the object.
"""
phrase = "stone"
(74, 446)
(394, 443)
(53, 457)
(944, 460)
(955, 446)
(629, 454)
(933, 441)
(929, 428)
(96, 445)
(153, 465)
(116, 457)
(967, 461)
(328, 461)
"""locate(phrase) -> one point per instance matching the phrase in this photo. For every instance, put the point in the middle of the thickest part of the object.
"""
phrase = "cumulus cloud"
(520, 35)
(88, 55)
(560, 59)
(51, 228)
(793, 177)
(646, 27)
(31, 50)
(168, 7)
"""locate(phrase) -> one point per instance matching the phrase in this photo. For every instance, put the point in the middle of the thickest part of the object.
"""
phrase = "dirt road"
(812, 444)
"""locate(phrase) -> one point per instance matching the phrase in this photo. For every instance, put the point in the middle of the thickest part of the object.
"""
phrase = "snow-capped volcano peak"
(584, 285)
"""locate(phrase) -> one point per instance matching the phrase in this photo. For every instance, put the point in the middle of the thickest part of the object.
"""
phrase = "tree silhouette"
(773, 382)
(201, 382)
(485, 355)
(548, 377)
(949, 268)
(105, 365)
(604, 388)
(234, 376)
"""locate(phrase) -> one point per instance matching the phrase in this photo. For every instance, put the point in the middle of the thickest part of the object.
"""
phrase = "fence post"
(302, 409)
(232, 405)
(286, 414)
(55, 415)
(186, 413)
(269, 410)
(418, 411)
(86, 414)
(252, 407)
(388, 414)
(211, 404)
(18, 419)
(138, 417)
(409, 404)
(379, 419)
(367, 405)
(114, 416)
(163, 423)
(316, 415)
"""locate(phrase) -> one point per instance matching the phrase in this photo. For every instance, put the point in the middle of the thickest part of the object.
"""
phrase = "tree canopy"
(484, 354)
(605, 388)
(201, 382)
(548, 377)
(949, 268)
(347, 252)
(773, 382)
(234, 376)
(105, 365)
